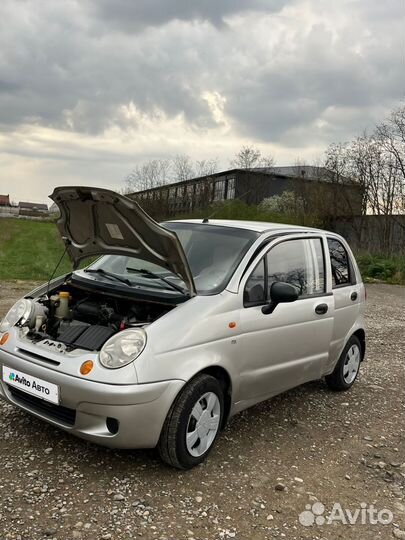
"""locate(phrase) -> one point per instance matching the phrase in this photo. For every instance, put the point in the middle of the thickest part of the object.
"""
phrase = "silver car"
(178, 326)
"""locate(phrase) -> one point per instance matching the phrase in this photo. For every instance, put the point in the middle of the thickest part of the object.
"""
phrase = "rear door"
(347, 291)
(291, 345)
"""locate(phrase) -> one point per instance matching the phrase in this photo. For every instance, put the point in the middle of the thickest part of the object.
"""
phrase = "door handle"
(321, 309)
(353, 296)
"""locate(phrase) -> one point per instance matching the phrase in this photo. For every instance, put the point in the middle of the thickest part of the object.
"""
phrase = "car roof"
(258, 226)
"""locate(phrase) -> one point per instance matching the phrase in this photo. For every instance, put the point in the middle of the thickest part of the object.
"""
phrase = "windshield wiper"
(108, 275)
(145, 272)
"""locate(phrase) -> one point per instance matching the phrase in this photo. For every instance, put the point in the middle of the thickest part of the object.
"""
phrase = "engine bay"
(81, 319)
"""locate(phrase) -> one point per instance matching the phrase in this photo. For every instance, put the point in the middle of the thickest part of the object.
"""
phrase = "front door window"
(300, 263)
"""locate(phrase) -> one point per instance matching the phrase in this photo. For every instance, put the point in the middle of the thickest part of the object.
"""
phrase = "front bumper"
(118, 416)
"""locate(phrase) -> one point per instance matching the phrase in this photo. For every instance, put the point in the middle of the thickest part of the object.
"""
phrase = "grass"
(382, 268)
(30, 249)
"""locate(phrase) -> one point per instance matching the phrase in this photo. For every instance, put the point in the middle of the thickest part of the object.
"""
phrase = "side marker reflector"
(86, 367)
(4, 338)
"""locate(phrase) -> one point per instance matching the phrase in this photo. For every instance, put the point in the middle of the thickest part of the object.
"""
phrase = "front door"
(291, 345)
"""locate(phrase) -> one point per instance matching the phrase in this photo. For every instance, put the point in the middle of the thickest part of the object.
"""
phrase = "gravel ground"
(306, 446)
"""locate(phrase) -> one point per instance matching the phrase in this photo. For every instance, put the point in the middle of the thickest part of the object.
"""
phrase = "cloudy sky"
(90, 88)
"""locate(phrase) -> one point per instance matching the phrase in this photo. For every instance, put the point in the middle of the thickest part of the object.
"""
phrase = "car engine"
(86, 320)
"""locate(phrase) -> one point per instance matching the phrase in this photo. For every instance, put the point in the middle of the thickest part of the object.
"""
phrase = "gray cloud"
(356, 67)
(131, 15)
(292, 73)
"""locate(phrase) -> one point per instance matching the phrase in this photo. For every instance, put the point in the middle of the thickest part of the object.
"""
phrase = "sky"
(91, 88)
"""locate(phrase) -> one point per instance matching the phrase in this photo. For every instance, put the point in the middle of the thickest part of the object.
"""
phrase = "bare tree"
(340, 160)
(267, 161)
(158, 172)
(206, 167)
(250, 157)
(391, 136)
(182, 168)
(373, 162)
(375, 170)
(149, 175)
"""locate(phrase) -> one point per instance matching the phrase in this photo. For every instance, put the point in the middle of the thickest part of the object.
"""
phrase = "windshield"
(212, 252)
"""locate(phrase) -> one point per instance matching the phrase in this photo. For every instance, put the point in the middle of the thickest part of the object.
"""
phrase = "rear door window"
(340, 264)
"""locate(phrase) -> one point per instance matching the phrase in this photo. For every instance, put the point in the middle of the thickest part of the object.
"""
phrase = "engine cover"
(94, 337)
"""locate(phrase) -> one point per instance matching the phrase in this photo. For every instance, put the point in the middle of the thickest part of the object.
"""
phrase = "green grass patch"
(30, 249)
(382, 268)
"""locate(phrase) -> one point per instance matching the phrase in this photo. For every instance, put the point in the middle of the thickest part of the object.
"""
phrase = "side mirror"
(280, 293)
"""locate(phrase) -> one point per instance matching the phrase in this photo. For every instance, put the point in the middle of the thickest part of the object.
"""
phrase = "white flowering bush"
(288, 203)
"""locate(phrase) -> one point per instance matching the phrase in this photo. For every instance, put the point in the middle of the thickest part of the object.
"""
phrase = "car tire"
(345, 373)
(193, 423)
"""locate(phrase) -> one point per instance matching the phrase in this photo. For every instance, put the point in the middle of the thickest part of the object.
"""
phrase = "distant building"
(5, 200)
(33, 207)
(317, 186)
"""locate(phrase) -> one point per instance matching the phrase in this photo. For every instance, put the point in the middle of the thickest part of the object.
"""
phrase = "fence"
(9, 211)
(374, 234)
(16, 212)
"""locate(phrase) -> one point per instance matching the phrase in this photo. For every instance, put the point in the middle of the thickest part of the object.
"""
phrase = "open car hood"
(96, 221)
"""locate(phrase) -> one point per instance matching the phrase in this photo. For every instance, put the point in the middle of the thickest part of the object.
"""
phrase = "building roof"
(305, 172)
(33, 206)
(4, 200)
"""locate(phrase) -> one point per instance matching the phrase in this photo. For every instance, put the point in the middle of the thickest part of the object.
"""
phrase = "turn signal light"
(232, 324)
(86, 367)
(4, 338)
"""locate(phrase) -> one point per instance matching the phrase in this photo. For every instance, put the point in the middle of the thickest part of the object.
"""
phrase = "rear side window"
(340, 263)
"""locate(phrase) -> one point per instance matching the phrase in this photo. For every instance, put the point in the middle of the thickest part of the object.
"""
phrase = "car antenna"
(205, 220)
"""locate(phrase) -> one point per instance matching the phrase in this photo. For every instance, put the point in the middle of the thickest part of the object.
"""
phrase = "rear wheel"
(193, 423)
(347, 368)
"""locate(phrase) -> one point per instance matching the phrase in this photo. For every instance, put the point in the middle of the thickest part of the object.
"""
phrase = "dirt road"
(305, 447)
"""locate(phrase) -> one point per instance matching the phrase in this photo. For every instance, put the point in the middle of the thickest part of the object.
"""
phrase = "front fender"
(184, 364)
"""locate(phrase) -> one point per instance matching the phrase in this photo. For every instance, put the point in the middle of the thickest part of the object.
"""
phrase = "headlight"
(122, 348)
(21, 310)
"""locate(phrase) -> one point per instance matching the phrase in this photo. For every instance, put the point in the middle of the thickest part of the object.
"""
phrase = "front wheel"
(347, 368)
(193, 423)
